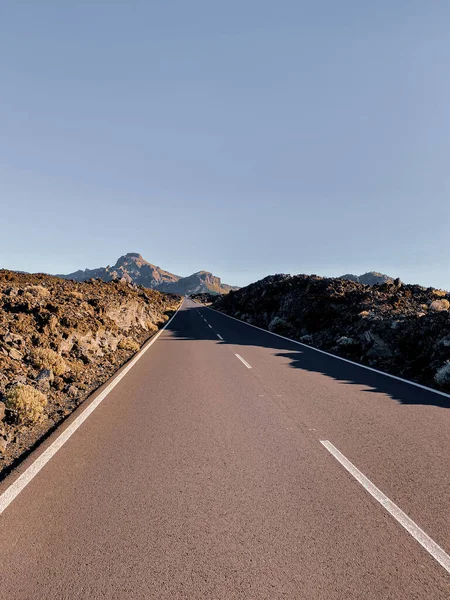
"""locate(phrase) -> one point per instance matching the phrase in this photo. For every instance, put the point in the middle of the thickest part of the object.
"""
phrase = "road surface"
(202, 475)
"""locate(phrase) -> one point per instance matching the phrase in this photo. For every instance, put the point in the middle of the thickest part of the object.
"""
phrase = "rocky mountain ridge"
(132, 268)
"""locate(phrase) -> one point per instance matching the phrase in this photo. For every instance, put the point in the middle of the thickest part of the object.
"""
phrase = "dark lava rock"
(398, 328)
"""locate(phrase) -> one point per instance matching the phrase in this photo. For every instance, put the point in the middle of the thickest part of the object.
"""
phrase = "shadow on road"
(186, 326)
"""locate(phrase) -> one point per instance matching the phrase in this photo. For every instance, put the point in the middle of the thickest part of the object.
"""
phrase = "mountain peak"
(130, 257)
(132, 267)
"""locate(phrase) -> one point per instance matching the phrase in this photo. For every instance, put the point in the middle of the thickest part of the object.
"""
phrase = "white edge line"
(243, 361)
(24, 479)
(351, 362)
(411, 527)
(219, 336)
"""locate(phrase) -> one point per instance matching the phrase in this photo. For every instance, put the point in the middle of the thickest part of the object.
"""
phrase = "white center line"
(243, 361)
(209, 326)
(219, 336)
(411, 527)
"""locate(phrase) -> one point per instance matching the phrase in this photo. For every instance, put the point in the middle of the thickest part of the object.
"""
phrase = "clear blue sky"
(242, 137)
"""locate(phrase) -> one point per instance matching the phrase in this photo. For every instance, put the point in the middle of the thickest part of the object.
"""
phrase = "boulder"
(58, 383)
(44, 378)
(73, 391)
(12, 338)
(440, 305)
(3, 445)
(15, 354)
(379, 348)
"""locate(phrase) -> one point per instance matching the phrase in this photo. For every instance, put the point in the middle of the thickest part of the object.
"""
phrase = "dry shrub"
(44, 358)
(28, 297)
(75, 294)
(128, 344)
(76, 367)
(87, 309)
(439, 293)
(277, 324)
(27, 402)
(38, 291)
(151, 326)
(443, 375)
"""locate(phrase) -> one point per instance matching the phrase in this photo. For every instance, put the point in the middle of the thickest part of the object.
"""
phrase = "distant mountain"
(197, 283)
(370, 278)
(133, 268)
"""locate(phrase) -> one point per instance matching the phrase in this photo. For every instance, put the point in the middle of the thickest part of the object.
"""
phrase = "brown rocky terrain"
(59, 341)
(134, 269)
(401, 329)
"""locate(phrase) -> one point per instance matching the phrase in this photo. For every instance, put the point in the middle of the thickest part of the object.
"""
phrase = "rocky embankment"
(59, 341)
(401, 329)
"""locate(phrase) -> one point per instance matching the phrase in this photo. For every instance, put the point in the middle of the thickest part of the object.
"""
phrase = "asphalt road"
(199, 477)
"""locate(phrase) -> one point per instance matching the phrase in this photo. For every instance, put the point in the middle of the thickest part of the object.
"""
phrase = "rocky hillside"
(370, 278)
(60, 340)
(198, 283)
(134, 269)
(402, 329)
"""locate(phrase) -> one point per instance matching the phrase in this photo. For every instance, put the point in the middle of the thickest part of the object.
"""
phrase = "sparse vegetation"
(151, 326)
(38, 291)
(276, 324)
(127, 343)
(59, 338)
(26, 402)
(440, 293)
(76, 367)
(442, 377)
(77, 295)
(45, 358)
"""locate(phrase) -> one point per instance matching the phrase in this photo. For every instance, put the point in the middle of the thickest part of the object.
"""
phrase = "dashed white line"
(243, 361)
(351, 362)
(411, 527)
(219, 336)
(209, 326)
